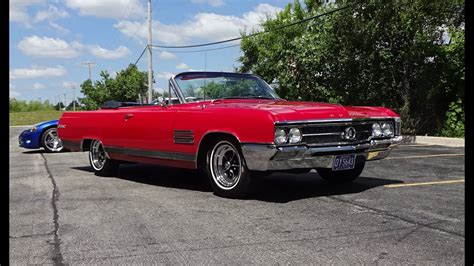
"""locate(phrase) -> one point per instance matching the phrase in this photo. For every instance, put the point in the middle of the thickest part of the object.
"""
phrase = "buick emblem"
(349, 133)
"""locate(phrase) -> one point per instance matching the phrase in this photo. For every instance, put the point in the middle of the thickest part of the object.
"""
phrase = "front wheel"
(226, 169)
(100, 162)
(342, 176)
(50, 140)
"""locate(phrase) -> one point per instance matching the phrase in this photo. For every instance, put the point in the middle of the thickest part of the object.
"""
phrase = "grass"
(31, 118)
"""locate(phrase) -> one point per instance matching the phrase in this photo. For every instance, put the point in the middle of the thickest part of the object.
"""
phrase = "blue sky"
(50, 39)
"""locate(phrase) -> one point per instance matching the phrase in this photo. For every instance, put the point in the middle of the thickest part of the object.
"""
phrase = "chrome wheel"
(51, 140)
(225, 165)
(97, 155)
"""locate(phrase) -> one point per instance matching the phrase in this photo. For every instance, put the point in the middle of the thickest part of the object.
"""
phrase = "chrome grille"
(331, 133)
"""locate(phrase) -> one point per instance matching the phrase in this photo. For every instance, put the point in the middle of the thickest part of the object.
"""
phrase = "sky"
(52, 40)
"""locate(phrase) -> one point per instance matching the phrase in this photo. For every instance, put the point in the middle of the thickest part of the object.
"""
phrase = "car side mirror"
(161, 102)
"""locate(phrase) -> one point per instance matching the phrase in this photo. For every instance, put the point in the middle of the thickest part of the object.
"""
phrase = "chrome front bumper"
(270, 157)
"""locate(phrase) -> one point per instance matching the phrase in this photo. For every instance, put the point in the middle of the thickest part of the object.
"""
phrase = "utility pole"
(150, 62)
(74, 98)
(89, 64)
(65, 101)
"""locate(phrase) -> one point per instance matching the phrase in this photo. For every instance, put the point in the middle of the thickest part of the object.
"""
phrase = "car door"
(147, 128)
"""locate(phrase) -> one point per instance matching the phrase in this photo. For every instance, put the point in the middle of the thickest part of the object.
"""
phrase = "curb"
(453, 142)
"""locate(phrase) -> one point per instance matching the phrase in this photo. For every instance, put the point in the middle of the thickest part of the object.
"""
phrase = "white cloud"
(166, 55)
(164, 75)
(52, 13)
(58, 27)
(14, 94)
(116, 9)
(38, 86)
(103, 53)
(207, 26)
(69, 84)
(213, 3)
(37, 72)
(49, 47)
(182, 66)
(18, 10)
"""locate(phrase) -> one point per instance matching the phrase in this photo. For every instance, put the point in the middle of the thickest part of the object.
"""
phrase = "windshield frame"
(179, 93)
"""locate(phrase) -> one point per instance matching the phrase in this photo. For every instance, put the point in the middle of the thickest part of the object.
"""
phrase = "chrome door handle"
(128, 116)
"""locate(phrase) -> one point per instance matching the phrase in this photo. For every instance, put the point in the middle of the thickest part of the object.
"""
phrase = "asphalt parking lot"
(407, 209)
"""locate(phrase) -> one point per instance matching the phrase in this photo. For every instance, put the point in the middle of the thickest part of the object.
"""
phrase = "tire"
(226, 169)
(343, 176)
(50, 141)
(99, 161)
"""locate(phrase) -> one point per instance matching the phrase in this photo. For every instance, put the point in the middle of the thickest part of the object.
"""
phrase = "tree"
(59, 106)
(389, 53)
(71, 105)
(126, 86)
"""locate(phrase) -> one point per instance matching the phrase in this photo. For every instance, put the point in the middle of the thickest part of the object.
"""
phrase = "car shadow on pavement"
(34, 151)
(277, 187)
(160, 176)
(283, 187)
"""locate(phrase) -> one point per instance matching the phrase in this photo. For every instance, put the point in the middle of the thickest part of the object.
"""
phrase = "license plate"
(344, 162)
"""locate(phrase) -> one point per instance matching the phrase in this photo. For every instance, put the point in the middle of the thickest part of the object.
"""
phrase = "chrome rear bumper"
(270, 157)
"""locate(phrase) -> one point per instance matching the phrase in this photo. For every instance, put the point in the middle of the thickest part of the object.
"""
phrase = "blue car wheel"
(50, 140)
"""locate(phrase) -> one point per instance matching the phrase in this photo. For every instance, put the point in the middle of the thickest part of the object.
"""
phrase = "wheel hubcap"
(226, 166)
(97, 155)
(52, 141)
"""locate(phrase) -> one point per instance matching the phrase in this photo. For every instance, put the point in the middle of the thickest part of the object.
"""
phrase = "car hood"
(293, 111)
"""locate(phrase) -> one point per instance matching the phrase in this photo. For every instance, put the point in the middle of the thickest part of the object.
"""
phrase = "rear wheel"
(226, 169)
(50, 140)
(343, 176)
(100, 162)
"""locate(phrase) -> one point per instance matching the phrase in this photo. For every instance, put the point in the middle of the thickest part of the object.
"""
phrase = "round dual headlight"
(280, 136)
(294, 136)
(387, 129)
(376, 130)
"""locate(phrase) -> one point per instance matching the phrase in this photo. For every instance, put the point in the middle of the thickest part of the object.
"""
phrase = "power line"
(234, 39)
(198, 51)
(255, 34)
(144, 49)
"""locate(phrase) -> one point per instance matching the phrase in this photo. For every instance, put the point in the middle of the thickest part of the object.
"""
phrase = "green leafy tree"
(127, 85)
(389, 53)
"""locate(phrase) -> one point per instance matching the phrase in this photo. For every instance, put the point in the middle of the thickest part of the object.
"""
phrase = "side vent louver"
(183, 137)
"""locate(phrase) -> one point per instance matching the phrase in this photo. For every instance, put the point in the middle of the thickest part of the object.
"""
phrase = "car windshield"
(214, 85)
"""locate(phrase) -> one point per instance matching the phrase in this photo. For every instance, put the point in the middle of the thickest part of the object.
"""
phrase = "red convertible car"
(233, 126)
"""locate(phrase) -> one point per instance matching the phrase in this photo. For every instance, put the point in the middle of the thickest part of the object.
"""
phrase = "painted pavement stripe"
(425, 183)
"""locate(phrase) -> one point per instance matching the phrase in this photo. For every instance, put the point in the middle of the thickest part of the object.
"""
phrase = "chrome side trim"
(335, 120)
(278, 123)
(152, 154)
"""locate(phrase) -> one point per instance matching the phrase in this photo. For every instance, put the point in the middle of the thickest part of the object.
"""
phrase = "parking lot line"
(424, 156)
(425, 183)
(415, 145)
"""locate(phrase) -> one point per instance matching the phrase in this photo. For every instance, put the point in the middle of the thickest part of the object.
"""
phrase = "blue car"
(44, 135)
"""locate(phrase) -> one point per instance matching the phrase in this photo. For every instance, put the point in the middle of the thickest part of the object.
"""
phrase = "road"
(60, 212)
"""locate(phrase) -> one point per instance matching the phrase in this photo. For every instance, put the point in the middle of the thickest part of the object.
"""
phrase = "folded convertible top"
(115, 104)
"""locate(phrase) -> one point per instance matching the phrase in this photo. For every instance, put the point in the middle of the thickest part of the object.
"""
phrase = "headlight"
(376, 130)
(280, 136)
(387, 129)
(33, 129)
(294, 136)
